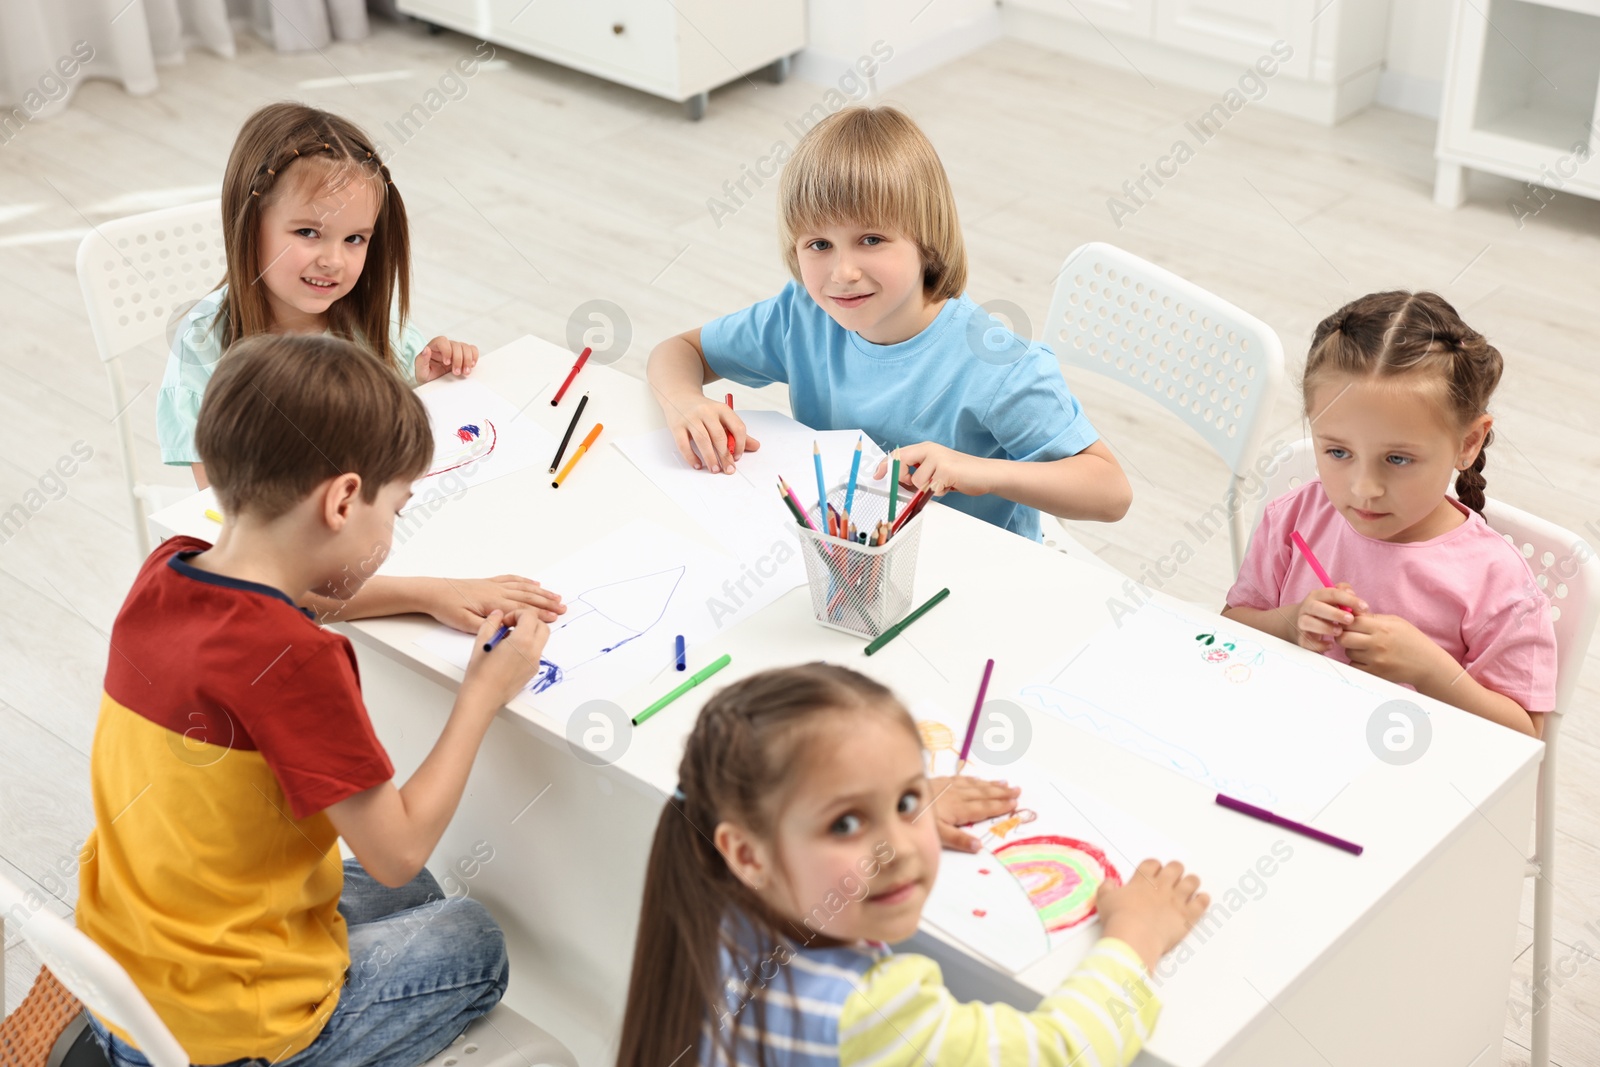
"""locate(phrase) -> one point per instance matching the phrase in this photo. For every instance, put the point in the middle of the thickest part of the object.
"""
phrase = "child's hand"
(463, 603)
(1154, 910)
(443, 356)
(500, 675)
(700, 428)
(960, 801)
(1324, 614)
(1395, 650)
(943, 468)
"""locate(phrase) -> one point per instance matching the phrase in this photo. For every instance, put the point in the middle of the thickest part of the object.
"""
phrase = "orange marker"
(573, 462)
(730, 432)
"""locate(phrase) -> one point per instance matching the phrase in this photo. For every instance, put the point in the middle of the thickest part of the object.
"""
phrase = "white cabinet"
(1521, 94)
(1325, 56)
(678, 49)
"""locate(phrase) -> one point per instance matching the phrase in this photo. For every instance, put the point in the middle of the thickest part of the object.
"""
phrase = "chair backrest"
(134, 271)
(1215, 366)
(91, 974)
(1564, 565)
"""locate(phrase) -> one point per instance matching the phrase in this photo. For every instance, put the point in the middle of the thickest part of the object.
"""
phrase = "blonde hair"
(873, 165)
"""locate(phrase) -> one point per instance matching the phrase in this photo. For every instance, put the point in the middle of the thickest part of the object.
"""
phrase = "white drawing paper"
(478, 436)
(628, 596)
(1218, 704)
(1031, 890)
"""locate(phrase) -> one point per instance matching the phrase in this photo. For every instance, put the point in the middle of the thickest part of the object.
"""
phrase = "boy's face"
(313, 245)
(869, 280)
(362, 544)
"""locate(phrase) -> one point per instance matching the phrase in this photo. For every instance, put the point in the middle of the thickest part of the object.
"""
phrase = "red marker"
(1316, 566)
(730, 432)
(576, 367)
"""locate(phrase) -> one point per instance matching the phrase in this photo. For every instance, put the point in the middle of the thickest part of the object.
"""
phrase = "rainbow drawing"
(1061, 876)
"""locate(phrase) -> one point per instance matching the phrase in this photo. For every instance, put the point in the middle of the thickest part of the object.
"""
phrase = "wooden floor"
(542, 189)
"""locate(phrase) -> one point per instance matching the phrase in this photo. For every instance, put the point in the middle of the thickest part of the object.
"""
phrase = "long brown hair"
(740, 762)
(292, 141)
(1390, 334)
(873, 166)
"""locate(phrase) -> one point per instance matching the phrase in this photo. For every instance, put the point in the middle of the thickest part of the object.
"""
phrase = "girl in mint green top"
(316, 241)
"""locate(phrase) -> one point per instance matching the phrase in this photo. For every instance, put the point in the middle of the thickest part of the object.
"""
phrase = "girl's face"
(313, 244)
(869, 280)
(855, 849)
(1386, 451)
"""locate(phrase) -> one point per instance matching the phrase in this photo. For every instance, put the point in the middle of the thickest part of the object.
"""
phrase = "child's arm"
(393, 830)
(1103, 1013)
(678, 374)
(460, 603)
(1089, 485)
(1392, 648)
(1314, 623)
(961, 801)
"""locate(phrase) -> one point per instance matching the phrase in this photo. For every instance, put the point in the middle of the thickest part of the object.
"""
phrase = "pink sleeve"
(1513, 650)
(1266, 564)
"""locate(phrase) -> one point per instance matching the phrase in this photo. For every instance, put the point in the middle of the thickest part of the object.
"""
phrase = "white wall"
(922, 33)
(1413, 76)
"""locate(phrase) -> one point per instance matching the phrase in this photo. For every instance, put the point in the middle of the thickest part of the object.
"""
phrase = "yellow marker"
(573, 462)
(213, 516)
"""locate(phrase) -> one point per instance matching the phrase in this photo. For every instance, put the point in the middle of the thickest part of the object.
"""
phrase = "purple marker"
(1288, 824)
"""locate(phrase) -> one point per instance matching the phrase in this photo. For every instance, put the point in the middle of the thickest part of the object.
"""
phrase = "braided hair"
(739, 764)
(1396, 333)
(280, 147)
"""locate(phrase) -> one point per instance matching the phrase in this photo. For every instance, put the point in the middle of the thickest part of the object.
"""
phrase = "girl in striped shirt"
(793, 852)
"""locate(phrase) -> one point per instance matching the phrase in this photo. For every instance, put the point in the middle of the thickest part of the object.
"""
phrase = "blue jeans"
(422, 966)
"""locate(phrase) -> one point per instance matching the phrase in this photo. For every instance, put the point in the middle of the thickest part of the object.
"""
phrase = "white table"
(1399, 956)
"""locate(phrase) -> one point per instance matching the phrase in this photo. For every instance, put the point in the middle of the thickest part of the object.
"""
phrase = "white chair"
(501, 1038)
(134, 272)
(1213, 365)
(1567, 570)
(92, 975)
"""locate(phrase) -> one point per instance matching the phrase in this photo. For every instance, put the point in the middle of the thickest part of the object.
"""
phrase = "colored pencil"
(794, 506)
(694, 679)
(977, 710)
(822, 487)
(1315, 564)
(850, 487)
(916, 505)
(1288, 824)
(566, 438)
(573, 462)
(213, 516)
(499, 635)
(730, 432)
(894, 484)
(683, 663)
(573, 373)
(894, 631)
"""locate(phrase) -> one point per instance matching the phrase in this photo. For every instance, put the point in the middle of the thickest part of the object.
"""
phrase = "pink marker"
(1316, 567)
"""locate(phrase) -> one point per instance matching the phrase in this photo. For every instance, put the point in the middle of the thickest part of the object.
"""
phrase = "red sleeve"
(313, 731)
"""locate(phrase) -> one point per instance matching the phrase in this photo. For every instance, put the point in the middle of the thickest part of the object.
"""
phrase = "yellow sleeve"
(903, 1016)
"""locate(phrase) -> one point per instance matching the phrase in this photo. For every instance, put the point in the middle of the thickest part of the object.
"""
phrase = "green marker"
(894, 484)
(894, 631)
(694, 679)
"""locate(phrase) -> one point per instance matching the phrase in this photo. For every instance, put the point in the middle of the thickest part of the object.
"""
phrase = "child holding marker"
(233, 750)
(793, 852)
(306, 201)
(1397, 390)
(876, 331)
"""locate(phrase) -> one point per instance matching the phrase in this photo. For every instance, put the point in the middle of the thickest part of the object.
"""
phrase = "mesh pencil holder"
(861, 589)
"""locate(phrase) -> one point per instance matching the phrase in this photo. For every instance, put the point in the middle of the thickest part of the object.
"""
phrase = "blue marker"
(499, 635)
(683, 664)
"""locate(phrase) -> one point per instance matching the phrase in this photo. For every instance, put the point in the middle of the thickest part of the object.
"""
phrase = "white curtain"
(48, 47)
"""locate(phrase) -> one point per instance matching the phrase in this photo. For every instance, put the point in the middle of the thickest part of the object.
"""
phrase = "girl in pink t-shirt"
(1396, 390)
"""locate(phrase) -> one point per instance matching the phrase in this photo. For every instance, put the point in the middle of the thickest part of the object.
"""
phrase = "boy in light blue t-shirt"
(877, 332)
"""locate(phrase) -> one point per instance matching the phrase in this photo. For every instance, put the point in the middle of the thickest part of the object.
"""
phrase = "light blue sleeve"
(407, 341)
(1034, 415)
(751, 346)
(196, 348)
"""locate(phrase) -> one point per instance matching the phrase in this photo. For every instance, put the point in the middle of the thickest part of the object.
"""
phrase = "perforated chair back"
(91, 974)
(134, 272)
(1214, 366)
